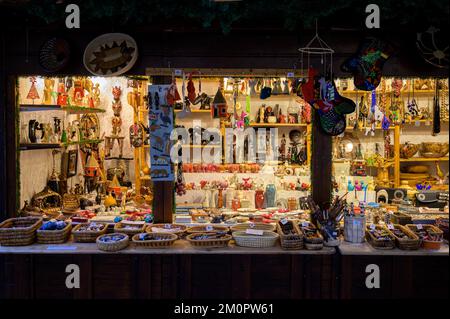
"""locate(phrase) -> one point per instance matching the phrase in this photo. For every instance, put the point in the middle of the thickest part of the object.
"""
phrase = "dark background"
(203, 34)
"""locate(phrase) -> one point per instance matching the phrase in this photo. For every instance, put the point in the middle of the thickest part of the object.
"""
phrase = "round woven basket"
(83, 236)
(257, 226)
(114, 245)
(268, 239)
(155, 241)
(204, 229)
(176, 229)
(131, 231)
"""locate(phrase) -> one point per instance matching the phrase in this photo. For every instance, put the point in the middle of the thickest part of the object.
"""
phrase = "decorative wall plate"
(54, 54)
(110, 54)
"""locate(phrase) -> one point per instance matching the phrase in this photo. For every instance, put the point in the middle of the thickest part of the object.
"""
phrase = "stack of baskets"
(87, 236)
(410, 243)
(291, 241)
(388, 241)
(154, 240)
(54, 236)
(19, 231)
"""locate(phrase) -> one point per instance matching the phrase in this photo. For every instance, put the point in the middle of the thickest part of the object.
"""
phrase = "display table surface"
(179, 247)
(365, 249)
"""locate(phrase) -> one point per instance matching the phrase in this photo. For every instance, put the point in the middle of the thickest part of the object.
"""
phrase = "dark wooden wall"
(195, 49)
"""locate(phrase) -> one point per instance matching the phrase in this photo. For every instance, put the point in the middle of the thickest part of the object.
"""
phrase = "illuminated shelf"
(200, 146)
(196, 111)
(83, 142)
(425, 159)
(144, 178)
(38, 146)
(68, 109)
(388, 92)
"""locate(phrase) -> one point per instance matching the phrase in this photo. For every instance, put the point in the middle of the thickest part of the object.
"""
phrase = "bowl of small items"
(408, 150)
(113, 242)
(54, 232)
(175, 229)
(313, 239)
(130, 228)
(430, 236)
(433, 149)
(154, 240)
(209, 240)
(380, 237)
(405, 238)
(207, 229)
(88, 232)
(291, 237)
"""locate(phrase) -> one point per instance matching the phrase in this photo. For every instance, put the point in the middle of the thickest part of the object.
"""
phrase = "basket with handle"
(291, 241)
(87, 236)
(153, 240)
(412, 242)
(54, 236)
(115, 245)
(208, 240)
(267, 239)
(19, 231)
(388, 241)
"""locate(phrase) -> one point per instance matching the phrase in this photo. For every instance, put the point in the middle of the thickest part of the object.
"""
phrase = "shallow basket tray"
(291, 241)
(378, 244)
(202, 229)
(268, 239)
(257, 226)
(182, 228)
(87, 236)
(413, 241)
(120, 228)
(115, 245)
(208, 243)
(155, 243)
(432, 230)
(54, 236)
(19, 231)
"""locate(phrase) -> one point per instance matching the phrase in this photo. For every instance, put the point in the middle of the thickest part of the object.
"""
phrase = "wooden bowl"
(408, 150)
(434, 149)
(416, 169)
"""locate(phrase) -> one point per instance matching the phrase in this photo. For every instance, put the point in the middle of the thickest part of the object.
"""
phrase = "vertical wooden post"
(320, 163)
(397, 156)
(163, 192)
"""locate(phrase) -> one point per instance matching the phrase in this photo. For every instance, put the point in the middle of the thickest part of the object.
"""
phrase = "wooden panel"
(297, 272)
(430, 277)
(270, 277)
(18, 278)
(112, 276)
(241, 279)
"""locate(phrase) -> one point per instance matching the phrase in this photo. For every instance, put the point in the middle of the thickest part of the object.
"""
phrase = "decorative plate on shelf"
(110, 54)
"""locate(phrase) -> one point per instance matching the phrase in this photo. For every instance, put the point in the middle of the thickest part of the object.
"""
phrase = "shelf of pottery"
(276, 175)
(68, 123)
(396, 138)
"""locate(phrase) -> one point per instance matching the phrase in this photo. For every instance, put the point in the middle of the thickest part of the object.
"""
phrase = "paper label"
(251, 225)
(209, 228)
(178, 72)
(167, 226)
(419, 226)
(372, 226)
(59, 247)
(284, 221)
(290, 74)
(257, 232)
(390, 226)
(305, 224)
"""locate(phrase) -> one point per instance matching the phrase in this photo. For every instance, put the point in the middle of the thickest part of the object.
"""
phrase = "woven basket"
(87, 236)
(401, 218)
(257, 226)
(155, 243)
(268, 239)
(202, 229)
(312, 242)
(431, 229)
(120, 228)
(114, 245)
(380, 244)
(291, 241)
(176, 229)
(208, 243)
(19, 231)
(54, 236)
(413, 241)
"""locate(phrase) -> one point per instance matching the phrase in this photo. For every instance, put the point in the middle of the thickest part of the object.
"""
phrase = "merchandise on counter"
(291, 237)
(430, 236)
(248, 239)
(54, 232)
(19, 231)
(154, 240)
(313, 240)
(129, 227)
(405, 238)
(256, 226)
(113, 242)
(176, 229)
(88, 232)
(380, 237)
(207, 229)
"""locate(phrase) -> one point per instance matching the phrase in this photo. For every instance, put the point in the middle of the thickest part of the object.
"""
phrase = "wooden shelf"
(278, 125)
(425, 159)
(341, 92)
(82, 142)
(68, 109)
(38, 146)
(144, 178)
(196, 111)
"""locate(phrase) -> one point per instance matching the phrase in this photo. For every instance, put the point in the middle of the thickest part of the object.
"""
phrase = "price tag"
(284, 221)
(251, 225)
(58, 247)
(419, 226)
(167, 226)
(178, 72)
(390, 226)
(257, 232)
(290, 74)
(372, 226)
(417, 123)
(305, 224)
(209, 228)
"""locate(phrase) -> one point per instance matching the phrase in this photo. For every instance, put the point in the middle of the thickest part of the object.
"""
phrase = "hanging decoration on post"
(320, 90)
(366, 65)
